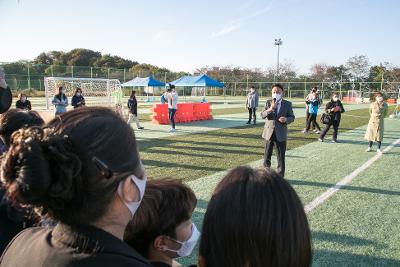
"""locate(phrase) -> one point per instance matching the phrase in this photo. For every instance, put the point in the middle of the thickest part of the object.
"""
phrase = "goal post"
(97, 92)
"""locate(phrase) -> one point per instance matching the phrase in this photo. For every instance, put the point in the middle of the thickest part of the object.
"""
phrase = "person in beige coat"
(378, 110)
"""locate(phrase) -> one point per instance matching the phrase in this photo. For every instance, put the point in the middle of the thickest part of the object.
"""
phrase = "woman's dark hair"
(277, 85)
(256, 219)
(166, 204)
(133, 93)
(334, 93)
(78, 90)
(14, 120)
(56, 168)
(60, 94)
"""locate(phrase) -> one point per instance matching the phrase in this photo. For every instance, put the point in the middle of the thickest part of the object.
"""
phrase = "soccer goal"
(97, 92)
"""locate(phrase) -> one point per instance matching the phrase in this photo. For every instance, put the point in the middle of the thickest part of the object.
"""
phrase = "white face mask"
(335, 99)
(379, 98)
(63, 91)
(276, 96)
(252, 90)
(23, 99)
(188, 245)
(78, 94)
(141, 185)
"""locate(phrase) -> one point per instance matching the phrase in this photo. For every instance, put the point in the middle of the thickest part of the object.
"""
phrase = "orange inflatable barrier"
(186, 112)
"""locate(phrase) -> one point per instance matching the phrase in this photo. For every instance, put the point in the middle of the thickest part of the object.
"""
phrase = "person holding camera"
(78, 100)
(334, 110)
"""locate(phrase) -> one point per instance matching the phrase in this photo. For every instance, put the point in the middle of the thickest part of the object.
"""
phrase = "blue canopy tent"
(197, 81)
(144, 82)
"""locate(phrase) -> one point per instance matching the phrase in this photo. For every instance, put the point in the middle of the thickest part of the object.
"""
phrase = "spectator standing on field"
(252, 104)
(132, 106)
(172, 99)
(60, 101)
(375, 131)
(78, 100)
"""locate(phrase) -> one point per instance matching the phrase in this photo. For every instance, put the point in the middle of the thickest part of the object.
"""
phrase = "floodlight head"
(278, 41)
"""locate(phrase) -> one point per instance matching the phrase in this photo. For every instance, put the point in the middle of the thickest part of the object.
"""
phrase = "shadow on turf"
(157, 163)
(346, 187)
(333, 258)
(342, 239)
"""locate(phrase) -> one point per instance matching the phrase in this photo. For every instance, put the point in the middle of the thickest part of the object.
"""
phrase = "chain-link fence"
(29, 78)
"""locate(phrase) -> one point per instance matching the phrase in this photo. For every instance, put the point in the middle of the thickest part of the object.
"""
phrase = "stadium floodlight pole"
(278, 42)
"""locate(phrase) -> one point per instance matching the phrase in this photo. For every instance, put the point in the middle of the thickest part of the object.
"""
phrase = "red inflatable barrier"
(186, 112)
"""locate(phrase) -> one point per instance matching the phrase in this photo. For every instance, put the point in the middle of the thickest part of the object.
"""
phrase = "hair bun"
(42, 169)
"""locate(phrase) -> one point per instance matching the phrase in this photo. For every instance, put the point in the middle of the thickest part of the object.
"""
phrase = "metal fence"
(29, 78)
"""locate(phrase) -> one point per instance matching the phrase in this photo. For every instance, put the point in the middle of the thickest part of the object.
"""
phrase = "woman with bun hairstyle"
(13, 217)
(83, 170)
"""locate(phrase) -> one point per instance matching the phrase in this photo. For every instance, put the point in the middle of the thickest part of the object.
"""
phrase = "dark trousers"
(308, 117)
(312, 119)
(370, 143)
(335, 125)
(252, 113)
(171, 116)
(280, 154)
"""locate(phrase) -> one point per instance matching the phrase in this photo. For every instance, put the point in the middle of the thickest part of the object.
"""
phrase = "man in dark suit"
(278, 114)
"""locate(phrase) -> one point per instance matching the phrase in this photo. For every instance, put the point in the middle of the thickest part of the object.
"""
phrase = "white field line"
(328, 193)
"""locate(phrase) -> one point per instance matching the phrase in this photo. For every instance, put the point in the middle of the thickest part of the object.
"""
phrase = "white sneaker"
(321, 140)
(172, 130)
(317, 132)
(369, 149)
(305, 131)
(379, 151)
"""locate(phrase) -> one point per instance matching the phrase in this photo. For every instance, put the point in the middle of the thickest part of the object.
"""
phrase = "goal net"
(97, 92)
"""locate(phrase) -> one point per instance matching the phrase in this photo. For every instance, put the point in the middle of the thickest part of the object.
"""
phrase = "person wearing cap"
(23, 103)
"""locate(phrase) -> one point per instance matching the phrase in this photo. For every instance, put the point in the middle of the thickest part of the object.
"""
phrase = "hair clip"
(103, 168)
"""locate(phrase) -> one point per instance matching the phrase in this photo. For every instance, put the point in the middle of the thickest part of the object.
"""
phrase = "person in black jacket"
(132, 106)
(13, 217)
(91, 185)
(23, 103)
(78, 100)
(334, 108)
(5, 93)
